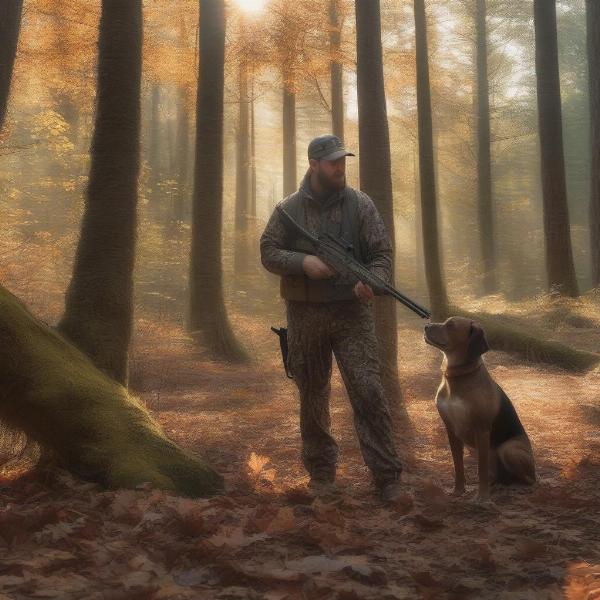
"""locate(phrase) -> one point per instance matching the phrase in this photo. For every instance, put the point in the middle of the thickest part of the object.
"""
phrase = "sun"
(251, 6)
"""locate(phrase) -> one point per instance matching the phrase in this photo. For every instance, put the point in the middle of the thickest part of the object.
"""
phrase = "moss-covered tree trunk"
(98, 305)
(509, 335)
(53, 392)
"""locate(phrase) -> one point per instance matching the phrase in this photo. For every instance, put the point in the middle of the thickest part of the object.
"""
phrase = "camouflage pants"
(346, 328)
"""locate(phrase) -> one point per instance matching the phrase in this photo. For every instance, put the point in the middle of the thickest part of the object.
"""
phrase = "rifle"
(336, 252)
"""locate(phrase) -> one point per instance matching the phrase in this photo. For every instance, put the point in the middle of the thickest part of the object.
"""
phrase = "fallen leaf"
(284, 520)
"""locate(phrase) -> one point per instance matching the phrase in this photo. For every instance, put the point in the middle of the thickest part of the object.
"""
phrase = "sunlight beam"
(251, 6)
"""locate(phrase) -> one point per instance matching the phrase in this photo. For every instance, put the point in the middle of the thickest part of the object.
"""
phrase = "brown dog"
(476, 411)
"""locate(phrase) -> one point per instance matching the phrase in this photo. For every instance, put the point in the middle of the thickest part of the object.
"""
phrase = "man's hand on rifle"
(363, 292)
(315, 268)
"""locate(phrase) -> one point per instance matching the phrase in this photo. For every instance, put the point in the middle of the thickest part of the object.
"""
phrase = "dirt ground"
(268, 538)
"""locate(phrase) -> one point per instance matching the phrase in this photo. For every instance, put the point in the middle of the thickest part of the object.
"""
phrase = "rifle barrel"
(417, 308)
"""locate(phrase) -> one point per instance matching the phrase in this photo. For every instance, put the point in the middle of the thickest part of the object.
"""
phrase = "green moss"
(54, 393)
(502, 335)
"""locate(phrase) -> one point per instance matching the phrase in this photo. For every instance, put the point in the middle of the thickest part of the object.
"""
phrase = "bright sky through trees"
(251, 6)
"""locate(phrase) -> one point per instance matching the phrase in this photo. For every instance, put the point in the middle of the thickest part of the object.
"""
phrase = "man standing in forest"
(327, 313)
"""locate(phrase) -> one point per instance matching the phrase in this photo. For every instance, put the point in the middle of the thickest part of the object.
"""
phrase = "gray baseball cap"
(327, 147)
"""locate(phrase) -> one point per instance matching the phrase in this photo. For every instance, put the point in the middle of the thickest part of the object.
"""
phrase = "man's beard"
(331, 186)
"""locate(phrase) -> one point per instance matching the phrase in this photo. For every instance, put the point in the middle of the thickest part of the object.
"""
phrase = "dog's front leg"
(483, 466)
(457, 448)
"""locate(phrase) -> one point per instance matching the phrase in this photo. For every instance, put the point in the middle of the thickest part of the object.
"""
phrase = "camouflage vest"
(300, 287)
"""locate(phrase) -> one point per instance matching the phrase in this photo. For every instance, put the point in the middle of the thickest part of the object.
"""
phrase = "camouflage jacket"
(284, 257)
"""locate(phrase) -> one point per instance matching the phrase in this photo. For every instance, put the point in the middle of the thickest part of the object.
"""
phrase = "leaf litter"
(268, 537)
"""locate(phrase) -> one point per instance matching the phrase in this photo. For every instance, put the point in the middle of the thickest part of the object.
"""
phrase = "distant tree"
(99, 300)
(242, 174)
(10, 25)
(593, 43)
(299, 48)
(243, 171)
(429, 212)
(290, 180)
(287, 32)
(64, 100)
(337, 82)
(208, 316)
(375, 170)
(252, 150)
(559, 255)
(154, 142)
(484, 162)
(182, 137)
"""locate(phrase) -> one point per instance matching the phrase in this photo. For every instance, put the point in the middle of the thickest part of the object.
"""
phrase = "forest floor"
(267, 538)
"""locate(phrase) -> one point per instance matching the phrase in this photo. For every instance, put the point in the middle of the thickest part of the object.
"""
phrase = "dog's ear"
(477, 343)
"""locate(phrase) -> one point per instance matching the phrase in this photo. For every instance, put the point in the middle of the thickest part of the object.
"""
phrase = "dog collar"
(458, 370)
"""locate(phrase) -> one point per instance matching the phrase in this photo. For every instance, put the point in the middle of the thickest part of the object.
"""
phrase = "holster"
(283, 344)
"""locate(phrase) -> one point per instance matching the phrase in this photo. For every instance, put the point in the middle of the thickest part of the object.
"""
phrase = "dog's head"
(461, 340)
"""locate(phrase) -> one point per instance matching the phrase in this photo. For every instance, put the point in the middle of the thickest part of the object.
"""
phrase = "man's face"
(331, 173)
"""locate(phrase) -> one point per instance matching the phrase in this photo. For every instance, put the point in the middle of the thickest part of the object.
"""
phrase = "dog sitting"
(476, 411)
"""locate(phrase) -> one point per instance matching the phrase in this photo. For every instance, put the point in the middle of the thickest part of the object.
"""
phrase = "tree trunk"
(242, 198)
(593, 43)
(419, 259)
(433, 268)
(252, 153)
(154, 143)
(66, 106)
(10, 25)
(242, 175)
(171, 135)
(375, 172)
(208, 316)
(98, 305)
(290, 183)
(55, 394)
(182, 151)
(337, 85)
(559, 256)
(484, 167)
(180, 210)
